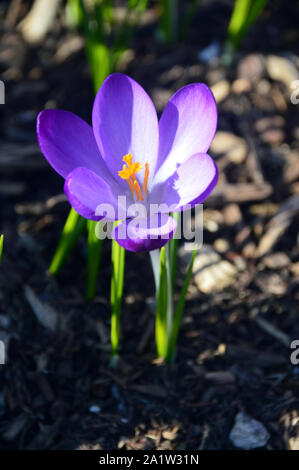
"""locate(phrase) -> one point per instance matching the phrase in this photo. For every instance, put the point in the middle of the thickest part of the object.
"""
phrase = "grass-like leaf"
(244, 14)
(177, 319)
(1, 246)
(72, 229)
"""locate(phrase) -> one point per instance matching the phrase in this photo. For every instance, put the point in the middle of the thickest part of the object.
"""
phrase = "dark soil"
(56, 389)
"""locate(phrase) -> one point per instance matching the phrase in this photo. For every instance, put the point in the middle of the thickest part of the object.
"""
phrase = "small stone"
(281, 69)
(212, 219)
(249, 250)
(271, 283)
(209, 53)
(94, 409)
(232, 214)
(232, 146)
(295, 269)
(263, 87)
(211, 272)
(248, 433)
(221, 90)
(266, 123)
(270, 129)
(171, 433)
(251, 67)
(122, 442)
(294, 443)
(273, 136)
(241, 85)
(276, 261)
(221, 245)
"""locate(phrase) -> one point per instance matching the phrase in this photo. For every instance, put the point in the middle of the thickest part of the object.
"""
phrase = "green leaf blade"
(1, 246)
(178, 314)
(72, 230)
(117, 284)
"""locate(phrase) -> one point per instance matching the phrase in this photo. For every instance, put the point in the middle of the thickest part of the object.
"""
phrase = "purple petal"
(125, 121)
(68, 142)
(145, 234)
(91, 196)
(187, 126)
(191, 184)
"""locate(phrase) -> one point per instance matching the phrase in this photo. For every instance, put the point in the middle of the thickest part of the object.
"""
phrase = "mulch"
(56, 389)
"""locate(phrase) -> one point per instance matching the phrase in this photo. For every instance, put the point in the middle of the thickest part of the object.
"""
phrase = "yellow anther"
(128, 173)
(128, 159)
(124, 173)
(136, 167)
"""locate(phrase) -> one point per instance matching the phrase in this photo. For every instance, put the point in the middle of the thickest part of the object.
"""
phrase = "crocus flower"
(128, 155)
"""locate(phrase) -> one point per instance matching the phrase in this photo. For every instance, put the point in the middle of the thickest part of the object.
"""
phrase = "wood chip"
(273, 331)
(44, 313)
(233, 147)
(152, 390)
(15, 426)
(281, 69)
(276, 260)
(262, 359)
(240, 192)
(39, 20)
(220, 377)
(278, 225)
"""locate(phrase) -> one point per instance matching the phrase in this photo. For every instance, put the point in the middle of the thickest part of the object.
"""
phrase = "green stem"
(164, 307)
(161, 311)
(94, 254)
(173, 249)
(117, 283)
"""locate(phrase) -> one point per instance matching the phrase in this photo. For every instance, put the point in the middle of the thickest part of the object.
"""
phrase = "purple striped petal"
(125, 121)
(187, 126)
(191, 184)
(68, 142)
(91, 196)
(145, 234)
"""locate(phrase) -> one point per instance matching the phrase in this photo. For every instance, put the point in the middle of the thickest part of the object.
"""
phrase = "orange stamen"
(145, 181)
(131, 186)
(138, 190)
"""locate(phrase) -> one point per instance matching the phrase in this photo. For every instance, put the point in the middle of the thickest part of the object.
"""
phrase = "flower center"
(128, 173)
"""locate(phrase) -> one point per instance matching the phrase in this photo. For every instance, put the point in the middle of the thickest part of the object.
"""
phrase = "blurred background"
(233, 370)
